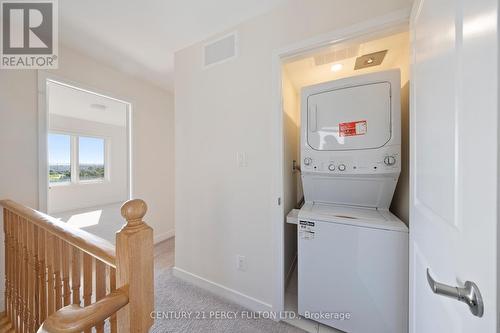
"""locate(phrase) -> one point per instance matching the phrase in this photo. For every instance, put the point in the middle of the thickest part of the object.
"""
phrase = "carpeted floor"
(175, 297)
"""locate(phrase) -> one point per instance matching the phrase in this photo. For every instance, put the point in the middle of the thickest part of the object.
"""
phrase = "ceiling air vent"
(220, 50)
(335, 55)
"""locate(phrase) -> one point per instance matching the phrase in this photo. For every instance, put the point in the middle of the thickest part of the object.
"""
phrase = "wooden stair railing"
(62, 279)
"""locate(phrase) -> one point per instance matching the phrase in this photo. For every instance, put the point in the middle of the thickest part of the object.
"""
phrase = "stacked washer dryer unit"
(352, 252)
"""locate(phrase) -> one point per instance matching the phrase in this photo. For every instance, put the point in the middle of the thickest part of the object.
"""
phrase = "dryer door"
(349, 118)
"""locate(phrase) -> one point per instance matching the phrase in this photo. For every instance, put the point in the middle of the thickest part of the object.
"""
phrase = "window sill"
(81, 182)
(93, 181)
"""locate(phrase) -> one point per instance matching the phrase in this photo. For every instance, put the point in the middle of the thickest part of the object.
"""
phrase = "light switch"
(241, 158)
(241, 263)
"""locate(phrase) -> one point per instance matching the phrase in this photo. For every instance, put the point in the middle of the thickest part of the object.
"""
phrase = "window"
(59, 158)
(75, 159)
(91, 158)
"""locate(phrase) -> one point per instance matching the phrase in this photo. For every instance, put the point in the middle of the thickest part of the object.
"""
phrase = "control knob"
(390, 160)
(331, 167)
(341, 167)
(307, 161)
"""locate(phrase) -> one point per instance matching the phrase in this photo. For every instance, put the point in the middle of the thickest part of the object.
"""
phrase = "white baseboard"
(222, 291)
(163, 236)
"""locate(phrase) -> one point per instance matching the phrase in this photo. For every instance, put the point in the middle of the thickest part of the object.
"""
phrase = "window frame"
(75, 158)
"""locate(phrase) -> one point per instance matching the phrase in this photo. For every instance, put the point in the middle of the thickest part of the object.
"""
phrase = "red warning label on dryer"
(353, 128)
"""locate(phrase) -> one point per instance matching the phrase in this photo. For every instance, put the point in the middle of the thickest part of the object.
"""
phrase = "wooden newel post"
(134, 268)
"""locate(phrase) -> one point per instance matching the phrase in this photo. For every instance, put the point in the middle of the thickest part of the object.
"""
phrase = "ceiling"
(304, 71)
(79, 104)
(140, 37)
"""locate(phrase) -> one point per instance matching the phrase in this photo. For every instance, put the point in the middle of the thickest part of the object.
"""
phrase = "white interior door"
(454, 162)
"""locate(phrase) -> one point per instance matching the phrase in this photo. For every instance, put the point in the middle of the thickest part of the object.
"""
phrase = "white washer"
(353, 268)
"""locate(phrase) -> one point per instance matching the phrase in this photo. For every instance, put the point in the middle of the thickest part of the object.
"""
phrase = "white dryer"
(351, 140)
(352, 252)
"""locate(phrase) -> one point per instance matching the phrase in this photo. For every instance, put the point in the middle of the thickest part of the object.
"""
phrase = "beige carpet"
(175, 297)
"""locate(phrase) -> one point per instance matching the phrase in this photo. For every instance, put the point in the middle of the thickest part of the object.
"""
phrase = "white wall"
(291, 178)
(400, 205)
(222, 210)
(152, 136)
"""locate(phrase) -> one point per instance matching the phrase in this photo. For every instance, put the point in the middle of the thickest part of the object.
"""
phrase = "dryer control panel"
(382, 161)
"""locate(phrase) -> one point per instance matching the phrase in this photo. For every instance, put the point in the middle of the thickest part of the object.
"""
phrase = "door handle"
(469, 294)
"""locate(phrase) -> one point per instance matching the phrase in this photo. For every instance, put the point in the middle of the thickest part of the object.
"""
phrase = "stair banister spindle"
(42, 276)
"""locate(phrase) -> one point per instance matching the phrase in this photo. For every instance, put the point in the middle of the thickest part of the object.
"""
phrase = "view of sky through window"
(91, 151)
(59, 147)
(91, 158)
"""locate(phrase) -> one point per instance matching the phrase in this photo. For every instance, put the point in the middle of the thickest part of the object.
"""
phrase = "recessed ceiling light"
(369, 60)
(336, 67)
(98, 106)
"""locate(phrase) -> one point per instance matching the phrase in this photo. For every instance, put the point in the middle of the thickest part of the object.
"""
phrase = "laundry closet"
(346, 185)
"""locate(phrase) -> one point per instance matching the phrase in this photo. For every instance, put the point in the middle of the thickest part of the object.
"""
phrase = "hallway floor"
(175, 297)
(103, 221)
